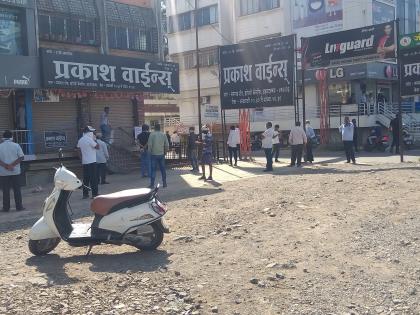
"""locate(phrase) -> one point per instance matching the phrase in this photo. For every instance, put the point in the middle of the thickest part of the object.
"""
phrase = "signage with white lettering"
(410, 78)
(55, 139)
(361, 45)
(74, 70)
(258, 73)
(19, 72)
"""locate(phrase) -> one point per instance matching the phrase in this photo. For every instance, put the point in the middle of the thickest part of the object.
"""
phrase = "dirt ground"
(327, 239)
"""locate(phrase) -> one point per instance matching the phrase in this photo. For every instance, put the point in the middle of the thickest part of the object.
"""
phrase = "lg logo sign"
(336, 73)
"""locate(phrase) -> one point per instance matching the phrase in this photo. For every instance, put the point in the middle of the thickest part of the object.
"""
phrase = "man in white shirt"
(276, 143)
(233, 145)
(267, 145)
(176, 143)
(347, 133)
(11, 155)
(102, 156)
(87, 149)
(297, 139)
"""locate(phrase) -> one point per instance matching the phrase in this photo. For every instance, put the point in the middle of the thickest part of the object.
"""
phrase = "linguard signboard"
(372, 43)
(257, 74)
(74, 70)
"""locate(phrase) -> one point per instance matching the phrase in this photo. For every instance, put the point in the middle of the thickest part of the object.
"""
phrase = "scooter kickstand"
(89, 250)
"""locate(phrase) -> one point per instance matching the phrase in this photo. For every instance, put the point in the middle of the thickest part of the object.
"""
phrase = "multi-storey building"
(225, 22)
(83, 29)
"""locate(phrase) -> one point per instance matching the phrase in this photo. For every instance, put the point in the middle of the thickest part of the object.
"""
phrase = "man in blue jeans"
(158, 145)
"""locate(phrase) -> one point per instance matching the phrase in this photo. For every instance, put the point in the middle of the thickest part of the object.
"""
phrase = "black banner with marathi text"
(74, 70)
(258, 73)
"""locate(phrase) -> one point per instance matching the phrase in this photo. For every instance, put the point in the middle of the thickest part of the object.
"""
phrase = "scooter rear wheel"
(43, 247)
(146, 237)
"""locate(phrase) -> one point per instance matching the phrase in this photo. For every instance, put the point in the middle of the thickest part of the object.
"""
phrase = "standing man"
(142, 139)
(105, 125)
(267, 145)
(102, 157)
(238, 135)
(347, 133)
(297, 139)
(355, 141)
(233, 146)
(87, 152)
(310, 138)
(158, 146)
(11, 155)
(176, 143)
(192, 149)
(207, 155)
(276, 143)
(395, 128)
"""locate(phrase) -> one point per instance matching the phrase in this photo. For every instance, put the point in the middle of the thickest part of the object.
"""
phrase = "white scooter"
(132, 217)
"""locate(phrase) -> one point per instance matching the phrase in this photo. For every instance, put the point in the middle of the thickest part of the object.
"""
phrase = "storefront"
(355, 84)
(77, 87)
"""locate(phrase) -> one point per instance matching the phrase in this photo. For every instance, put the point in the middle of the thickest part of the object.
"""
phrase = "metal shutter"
(120, 114)
(61, 116)
(6, 117)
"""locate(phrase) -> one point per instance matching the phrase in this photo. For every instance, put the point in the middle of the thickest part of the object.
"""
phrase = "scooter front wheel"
(146, 237)
(43, 247)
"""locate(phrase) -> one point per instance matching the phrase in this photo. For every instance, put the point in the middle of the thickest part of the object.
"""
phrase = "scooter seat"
(106, 204)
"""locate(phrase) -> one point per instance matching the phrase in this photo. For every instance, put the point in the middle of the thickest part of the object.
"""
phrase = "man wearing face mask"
(87, 152)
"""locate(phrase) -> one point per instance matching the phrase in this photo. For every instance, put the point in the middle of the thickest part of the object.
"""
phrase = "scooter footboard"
(41, 231)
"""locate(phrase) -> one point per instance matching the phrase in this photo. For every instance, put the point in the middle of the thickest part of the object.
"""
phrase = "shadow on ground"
(53, 266)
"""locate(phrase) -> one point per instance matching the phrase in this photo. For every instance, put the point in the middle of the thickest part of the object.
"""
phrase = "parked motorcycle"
(408, 139)
(376, 142)
(132, 217)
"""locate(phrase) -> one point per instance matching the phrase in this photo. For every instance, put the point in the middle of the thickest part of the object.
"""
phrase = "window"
(340, 93)
(207, 15)
(180, 22)
(253, 6)
(128, 38)
(64, 29)
(207, 58)
(11, 37)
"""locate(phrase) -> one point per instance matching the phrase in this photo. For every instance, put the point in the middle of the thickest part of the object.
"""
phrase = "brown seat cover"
(104, 203)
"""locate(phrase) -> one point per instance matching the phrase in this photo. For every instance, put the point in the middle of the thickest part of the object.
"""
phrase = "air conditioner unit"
(205, 100)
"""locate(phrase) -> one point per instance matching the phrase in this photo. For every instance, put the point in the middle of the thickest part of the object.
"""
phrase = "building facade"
(240, 21)
(47, 109)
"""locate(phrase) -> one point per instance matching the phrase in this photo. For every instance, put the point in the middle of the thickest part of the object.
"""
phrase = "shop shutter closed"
(120, 115)
(60, 116)
(6, 119)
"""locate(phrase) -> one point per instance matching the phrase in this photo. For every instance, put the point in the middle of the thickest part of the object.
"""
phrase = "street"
(326, 239)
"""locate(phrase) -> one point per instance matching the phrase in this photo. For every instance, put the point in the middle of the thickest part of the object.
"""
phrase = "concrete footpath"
(185, 184)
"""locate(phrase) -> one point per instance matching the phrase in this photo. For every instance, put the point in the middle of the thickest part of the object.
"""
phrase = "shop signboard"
(361, 45)
(410, 64)
(258, 73)
(211, 111)
(410, 41)
(74, 70)
(316, 17)
(55, 139)
(19, 72)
